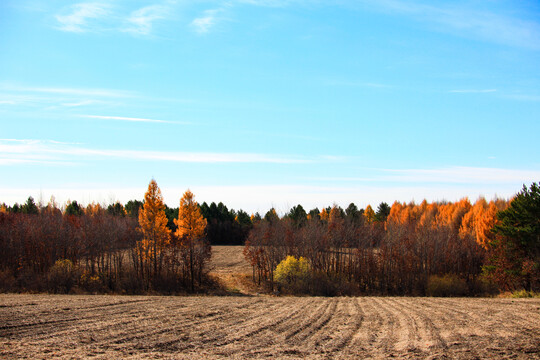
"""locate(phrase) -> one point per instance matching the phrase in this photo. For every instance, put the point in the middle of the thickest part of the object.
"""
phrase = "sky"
(269, 103)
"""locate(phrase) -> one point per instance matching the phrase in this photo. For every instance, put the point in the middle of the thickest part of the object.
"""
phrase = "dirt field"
(229, 259)
(248, 326)
(231, 269)
(69, 326)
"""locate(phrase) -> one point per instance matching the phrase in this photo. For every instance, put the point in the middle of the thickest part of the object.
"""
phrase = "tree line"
(146, 246)
(114, 249)
(455, 248)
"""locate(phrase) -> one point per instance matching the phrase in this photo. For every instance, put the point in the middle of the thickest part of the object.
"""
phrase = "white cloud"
(77, 20)
(141, 21)
(468, 21)
(523, 97)
(270, 3)
(473, 91)
(373, 85)
(13, 150)
(81, 103)
(132, 119)
(70, 91)
(204, 23)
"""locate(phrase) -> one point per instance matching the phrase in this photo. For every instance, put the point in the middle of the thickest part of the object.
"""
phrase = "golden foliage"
(335, 215)
(94, 209)
(153, 222)
(324, 214)
(369, 214)
(191, 224)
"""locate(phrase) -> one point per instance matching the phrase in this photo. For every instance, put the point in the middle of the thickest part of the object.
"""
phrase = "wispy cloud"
(204, 23)
(473, 91)
(102, 17)
(523, 97)
(132, 119)
(348, 83)
(468, 21)
(70, 91)
(79, 15)
(141, 21)
(81, 103)
(269, 3)
(13, 150)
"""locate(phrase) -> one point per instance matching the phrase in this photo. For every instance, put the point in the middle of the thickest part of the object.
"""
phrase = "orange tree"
(156, 235)
(195, 249)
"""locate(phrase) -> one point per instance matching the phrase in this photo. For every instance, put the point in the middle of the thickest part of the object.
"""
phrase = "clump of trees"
(97, 249)
(395, 250)
(91, 239)
(224, 226)
(439, 248)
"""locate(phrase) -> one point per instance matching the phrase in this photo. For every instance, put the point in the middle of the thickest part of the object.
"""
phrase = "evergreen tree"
(515, 251)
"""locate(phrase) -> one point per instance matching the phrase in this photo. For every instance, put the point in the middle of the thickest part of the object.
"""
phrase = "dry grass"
(229, 267)
(160, 327)
(106, 327)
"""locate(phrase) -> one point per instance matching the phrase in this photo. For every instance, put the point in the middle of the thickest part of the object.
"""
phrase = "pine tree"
(515, 256)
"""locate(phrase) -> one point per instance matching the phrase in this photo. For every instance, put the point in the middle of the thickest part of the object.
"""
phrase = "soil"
(262, 326)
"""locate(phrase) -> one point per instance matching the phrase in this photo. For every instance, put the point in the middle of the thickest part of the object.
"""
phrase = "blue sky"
(261, 103)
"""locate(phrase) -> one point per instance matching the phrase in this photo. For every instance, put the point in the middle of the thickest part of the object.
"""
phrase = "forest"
(438, 248)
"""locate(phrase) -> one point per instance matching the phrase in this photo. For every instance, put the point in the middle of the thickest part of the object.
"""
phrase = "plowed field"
(108, 327)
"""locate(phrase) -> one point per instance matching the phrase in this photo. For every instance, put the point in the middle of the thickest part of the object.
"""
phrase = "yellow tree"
(369, 214)
(324, 215)
(153, 226)
(191, 233)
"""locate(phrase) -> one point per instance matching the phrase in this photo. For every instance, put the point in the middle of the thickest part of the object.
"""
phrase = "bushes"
(293, 274)
(525, 294)
(296, 276)
(63, 275)
(447, 285)
(91, 283)
(7, 281)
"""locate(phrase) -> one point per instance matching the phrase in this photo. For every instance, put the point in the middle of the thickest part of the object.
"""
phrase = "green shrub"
(447, 285)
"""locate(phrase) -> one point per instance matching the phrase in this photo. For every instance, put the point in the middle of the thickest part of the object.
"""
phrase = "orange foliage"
(369, 214)
(93, 209)
(153, 224)
(324, 214)
(191, 224)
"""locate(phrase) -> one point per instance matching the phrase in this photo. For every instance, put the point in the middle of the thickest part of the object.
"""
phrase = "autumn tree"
(369, 214)
(191, 233)
(153, 227)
